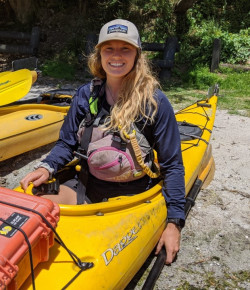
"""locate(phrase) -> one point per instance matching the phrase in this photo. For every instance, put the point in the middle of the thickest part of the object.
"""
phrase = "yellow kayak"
(114, 238)
(25, 126)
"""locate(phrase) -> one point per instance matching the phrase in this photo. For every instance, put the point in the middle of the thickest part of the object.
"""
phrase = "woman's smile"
(115, 64)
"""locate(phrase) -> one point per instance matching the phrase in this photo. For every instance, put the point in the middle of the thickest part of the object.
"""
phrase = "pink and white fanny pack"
(108, 162)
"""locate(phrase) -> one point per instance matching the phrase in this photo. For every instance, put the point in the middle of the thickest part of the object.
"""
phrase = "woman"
(131, 96)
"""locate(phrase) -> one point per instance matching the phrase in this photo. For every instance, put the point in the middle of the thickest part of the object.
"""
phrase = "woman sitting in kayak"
(127, 90)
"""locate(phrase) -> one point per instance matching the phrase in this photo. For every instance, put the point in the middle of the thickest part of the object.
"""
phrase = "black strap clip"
(51, 187)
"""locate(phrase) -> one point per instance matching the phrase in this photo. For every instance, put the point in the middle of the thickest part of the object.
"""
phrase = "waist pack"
(111, 158)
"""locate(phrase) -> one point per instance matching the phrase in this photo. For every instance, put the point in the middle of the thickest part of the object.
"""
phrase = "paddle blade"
(14, 85)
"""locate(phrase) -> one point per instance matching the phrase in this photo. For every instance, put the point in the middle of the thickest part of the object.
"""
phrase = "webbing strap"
(139, 158)
(29, 249)
(95, 118)
(74, 257)
(86, 138)
(83, 175)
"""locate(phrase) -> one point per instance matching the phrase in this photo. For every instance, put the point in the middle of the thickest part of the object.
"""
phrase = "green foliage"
(230, 15)
(209, 19)
(154, 18)
(158, 21)
(235, 92)
(199, 44)
(234, 86)
(235, 80)
(235, 47)
(201, 78)
(223, 19)
(58, 69)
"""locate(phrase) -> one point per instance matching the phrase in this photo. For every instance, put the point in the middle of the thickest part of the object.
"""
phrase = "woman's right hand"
(38, 177)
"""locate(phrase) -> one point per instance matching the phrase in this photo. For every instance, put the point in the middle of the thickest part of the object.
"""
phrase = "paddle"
(15, 85)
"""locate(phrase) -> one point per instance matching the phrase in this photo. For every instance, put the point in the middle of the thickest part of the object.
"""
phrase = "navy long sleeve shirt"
(163, 135)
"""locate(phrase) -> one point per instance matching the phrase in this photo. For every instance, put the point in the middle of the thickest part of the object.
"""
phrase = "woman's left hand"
(170, 238)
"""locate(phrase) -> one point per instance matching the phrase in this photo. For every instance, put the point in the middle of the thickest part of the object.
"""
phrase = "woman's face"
(117, 58)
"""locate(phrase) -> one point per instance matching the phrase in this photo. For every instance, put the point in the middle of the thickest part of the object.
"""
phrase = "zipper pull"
(120, 161)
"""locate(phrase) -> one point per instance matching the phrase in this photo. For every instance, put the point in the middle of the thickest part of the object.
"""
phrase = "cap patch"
(118, 28)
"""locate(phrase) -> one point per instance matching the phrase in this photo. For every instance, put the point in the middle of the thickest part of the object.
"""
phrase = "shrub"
(201, 78)
(58, 69)
(199, 45)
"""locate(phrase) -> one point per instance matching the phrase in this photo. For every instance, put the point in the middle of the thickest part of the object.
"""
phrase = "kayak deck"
(201, 114)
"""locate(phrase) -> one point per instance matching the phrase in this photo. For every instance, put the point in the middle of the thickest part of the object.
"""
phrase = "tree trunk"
(183, 5)
(23, 9)
(215, 55)
(180, 9)
(82, 4)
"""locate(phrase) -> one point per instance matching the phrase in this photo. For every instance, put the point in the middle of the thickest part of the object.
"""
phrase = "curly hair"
(136, 97)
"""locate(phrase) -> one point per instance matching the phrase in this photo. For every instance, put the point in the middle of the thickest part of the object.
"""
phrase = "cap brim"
(117, 38)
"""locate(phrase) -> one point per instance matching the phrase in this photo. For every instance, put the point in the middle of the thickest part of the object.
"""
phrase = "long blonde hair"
(136, 97)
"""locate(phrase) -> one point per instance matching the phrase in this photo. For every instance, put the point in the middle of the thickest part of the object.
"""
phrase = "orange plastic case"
(14, 254)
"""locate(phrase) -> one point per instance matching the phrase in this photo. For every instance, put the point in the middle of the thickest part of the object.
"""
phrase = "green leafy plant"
(234, 94)
(58, 69)
(197, 45)
(201, 77)
(230, 15)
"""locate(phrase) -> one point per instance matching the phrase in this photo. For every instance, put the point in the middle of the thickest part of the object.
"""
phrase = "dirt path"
(215, 242)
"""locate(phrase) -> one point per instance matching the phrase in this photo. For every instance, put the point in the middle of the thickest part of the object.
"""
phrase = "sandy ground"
(215, 242)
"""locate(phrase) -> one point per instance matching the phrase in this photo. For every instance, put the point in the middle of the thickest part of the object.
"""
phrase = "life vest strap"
(139, 158)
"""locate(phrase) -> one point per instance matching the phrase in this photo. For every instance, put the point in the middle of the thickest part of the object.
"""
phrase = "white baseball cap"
(120, 29)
